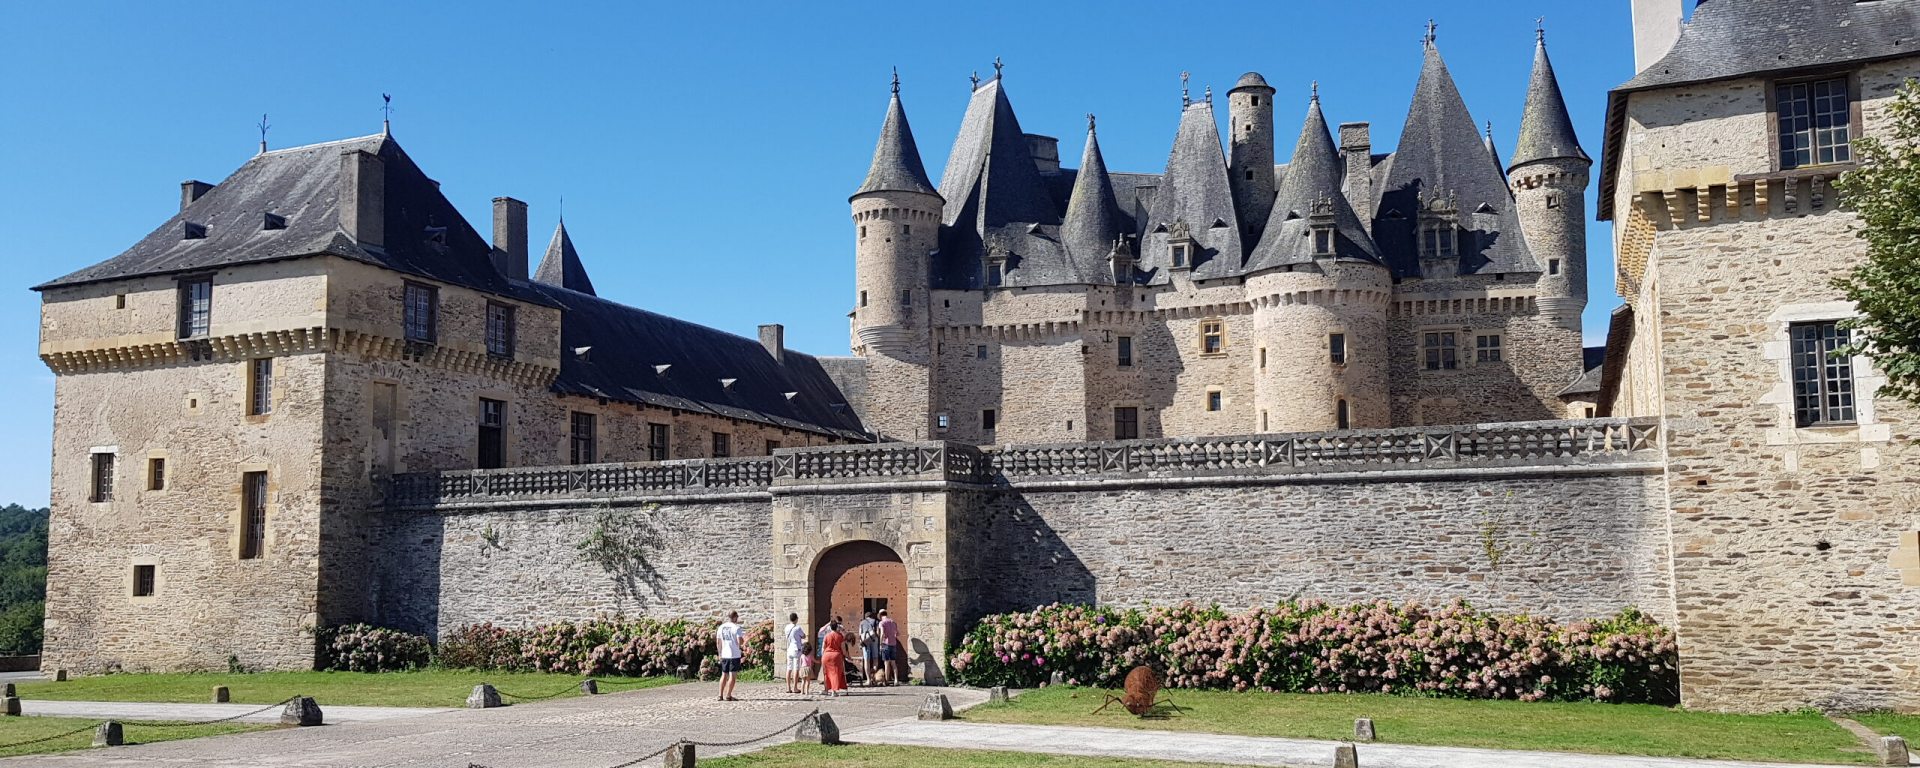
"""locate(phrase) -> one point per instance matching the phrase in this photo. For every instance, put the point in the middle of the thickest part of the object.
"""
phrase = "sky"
(704, 151)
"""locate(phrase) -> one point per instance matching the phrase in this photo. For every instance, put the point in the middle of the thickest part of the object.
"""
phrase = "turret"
(1549, 179)
(1093, 221)
(896, 218)
(1250, 110)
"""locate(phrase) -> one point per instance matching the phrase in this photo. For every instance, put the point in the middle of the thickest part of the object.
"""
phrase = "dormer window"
(993, 274)
(192, 231)
(1180, 254)
(437, 235)
(1322, 241)
(1438, 241)
(273, 221)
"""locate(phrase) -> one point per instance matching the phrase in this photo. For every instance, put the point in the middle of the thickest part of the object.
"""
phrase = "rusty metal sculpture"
(1142, 694)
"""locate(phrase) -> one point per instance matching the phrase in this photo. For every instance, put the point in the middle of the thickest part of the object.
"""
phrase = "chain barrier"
(81, 729)
(709, 744)
(129, 724)
(555, 694)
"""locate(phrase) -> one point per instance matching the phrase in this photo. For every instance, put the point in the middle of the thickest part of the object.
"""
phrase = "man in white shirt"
(732, 641)
(796, 645)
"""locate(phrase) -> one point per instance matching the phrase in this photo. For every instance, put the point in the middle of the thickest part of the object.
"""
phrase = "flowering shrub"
(367, 648)
(603, 646)
(1313, 647)
(479, 646)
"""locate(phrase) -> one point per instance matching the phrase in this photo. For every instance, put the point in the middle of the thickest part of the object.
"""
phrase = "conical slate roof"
(1494, 152)
(1093, 220)
(1196, 192)
(896, 160)
(1313, 178)
(1441, 154)
(1546, 131)
(561, 266)
(991, 153)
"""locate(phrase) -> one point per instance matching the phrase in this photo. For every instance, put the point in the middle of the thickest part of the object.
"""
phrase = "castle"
(317, 396)
(1026, 302)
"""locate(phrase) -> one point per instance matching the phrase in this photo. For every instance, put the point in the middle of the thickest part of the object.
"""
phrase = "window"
(1341, 418)
(1214, 400)
(993, 274)
(253, 515)
(1126, 351)
(989, 420)
(1126, 423)
(493, 433)
(906, 298)
(722, 445)
(1263, 358)
(1180, 255)
(941, 422)
(1589, 411)
(1249, 173)
(260, 387)
(1553, 266)
(500, 329)
(1440, 351)
(101, 489)
(1263, 421)
(1322, 241)
(1486, 348)
(1337, 348)
(1437, 241)
(1822, 380)
(196, 307)
(772, 445)
(1213, 337)
(582, 441)
(119, 301)
(863, 231)
(1815, 119)
(656, 442)
(863, 298)
(1553, 200)
(156, 474)
(980, 351)
(422, 310)
(143, 581)
(906, 230)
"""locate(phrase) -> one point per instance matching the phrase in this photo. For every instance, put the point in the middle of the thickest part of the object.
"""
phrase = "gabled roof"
(1093, 219)
(1740, 38)
(424, 234)
(1441, 154)
(1196, 192)
(995, 197)
(561, 266)
(1313, 178)
(896, 159)
(1546, 131)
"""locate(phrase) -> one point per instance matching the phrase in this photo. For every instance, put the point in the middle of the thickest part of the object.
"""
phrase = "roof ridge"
(319, 144)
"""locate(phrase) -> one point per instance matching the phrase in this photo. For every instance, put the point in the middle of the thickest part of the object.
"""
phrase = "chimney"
(1046, 153)
(510, 237)
(1656, 27)
(363, 197)
(192, 190)
(1356, 145)
(774, 338)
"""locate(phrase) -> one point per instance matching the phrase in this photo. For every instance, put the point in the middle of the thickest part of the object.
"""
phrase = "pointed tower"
(1093, 223)
(1549, 181)
(896, 218)
(561, 266)
(1250, 117)
(1192, 227)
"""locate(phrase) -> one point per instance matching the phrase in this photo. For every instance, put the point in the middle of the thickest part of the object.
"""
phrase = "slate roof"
(1093, 219)
(991, 152)
(896, 159)
(424, 234)
(1739, 38)
(1314, 175)
(1194, 190)
(561, 266)
(1546, 131)
(1252, 80)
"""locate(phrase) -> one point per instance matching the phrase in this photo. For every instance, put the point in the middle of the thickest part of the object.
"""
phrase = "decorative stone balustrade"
(1532, 443)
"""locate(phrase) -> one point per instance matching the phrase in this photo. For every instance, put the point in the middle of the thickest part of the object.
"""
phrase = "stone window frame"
(130, 586)
(1113, 409)
(1461, 362)
(942, 421)
(94, 487)
(663, 447)
(237, 520)
(1345, 356)
(502, 321)
(505, 426)
(189, 322)
(990, 420)
(720, 444)
(1123, 351)
(1854, 113)
(167, 471)
(260, 400)
(1221, 324)
(574, 441)
(427, 327)
(1497, 348)
(1867, 381)
(1215, 400)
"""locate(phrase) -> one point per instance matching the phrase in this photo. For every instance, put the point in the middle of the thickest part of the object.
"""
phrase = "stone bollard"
(1363, 729)
(683, 672)
(589, 687)
(1893, 751)
(818, 728)
(8, 691)
(1346, 756)
(109, 734)
(483, 697)
(12, 704)
(936, 707)
(680, 755)
(998, 695)
(302, 711)
(1057, 678)
(221, 695)
(59, 675)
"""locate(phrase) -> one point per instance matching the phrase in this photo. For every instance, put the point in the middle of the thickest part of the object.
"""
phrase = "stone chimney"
(191, 190)
(1356, 146)
(363, 197)
(774, 338)
(510, 237)
(1656, 27)
(1046, 153)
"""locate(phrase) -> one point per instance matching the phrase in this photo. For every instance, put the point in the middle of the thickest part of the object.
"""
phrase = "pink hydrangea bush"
(367, 648)
(1452, 650)
(603, 646)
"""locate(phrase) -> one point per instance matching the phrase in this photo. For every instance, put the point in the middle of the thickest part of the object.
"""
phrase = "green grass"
(1904, 726)
(863, 755)
(14, 730)
(1617, 729)
(426, 688)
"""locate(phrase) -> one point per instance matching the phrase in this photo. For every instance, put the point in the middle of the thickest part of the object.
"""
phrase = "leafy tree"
(1885, 192)
(23, 578)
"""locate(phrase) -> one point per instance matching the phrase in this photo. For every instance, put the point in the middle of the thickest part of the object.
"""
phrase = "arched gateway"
(855, 577)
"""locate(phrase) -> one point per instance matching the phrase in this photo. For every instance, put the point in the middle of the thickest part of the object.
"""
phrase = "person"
(891, 654)
(796, 640)
(732, 641)
(833, 661)
(869, 648)
(808, 667)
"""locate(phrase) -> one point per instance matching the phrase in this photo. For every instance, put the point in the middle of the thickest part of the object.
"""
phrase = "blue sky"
(705, 150)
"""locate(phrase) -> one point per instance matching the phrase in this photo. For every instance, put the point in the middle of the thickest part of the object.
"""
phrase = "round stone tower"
(1323, 352)
(896, 219)
(1250, 112)
(1549, 179)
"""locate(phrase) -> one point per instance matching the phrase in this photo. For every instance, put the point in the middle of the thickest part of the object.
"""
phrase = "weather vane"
(1185, 98)
(1316, 92)
(1089, 122)
(263, 132)
(1432, 31)
(1540, 28)
(386, 110)
(975, 79)
(896, 80)
(997, 66)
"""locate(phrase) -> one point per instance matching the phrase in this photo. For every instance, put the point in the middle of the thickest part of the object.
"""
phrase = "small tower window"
(1256, 101)
(993, 274)
(1337, 348)
(906, 230)
(906, 298)
(1213, 337)
(863, 298)
(863, 231)
(1249, 175)
(1437, 241)
(1553, 266)
(1486, 348)
(1215, 400)
(1341, 418)
(941, 422)
(1126, 351)
(989, 420)
(1322, 241)
(1180, 255)
(1553, 200)
(1263, 358)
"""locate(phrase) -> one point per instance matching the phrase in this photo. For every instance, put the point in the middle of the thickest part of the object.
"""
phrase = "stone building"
(1022, 301)
(1791, 488)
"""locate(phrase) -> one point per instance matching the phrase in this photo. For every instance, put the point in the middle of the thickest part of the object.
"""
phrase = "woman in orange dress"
(833, 665)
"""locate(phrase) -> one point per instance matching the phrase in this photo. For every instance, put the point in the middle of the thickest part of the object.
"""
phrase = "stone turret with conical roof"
(1093, 224)
(1549, 180)
(1192, 226)
(1250, 134)
(896, 218)
(561, 265)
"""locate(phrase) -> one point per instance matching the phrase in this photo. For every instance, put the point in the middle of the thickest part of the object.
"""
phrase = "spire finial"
(563, 210)
(1316, 92)
(1432, 32)
(997, 66)
(1540, 29)
(1489, 130)
(896, 81)
(386, 109)
(263, 132)
(1089, 122)
(975, 79)
(1185, 97)
(1209, 94)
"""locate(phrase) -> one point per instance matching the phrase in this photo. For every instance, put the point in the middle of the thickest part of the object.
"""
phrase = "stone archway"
(854, 577)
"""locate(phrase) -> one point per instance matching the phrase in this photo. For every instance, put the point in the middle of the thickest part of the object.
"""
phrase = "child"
(806, 667)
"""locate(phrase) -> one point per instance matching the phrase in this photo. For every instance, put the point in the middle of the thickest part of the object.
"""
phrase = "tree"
(1885, 192)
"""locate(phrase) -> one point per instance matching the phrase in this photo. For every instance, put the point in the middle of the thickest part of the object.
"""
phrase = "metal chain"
(555, 694)
(81, 729)
(715, 745)
(123, 724)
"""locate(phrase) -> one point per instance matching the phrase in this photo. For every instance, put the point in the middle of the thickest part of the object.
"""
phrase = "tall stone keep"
(1250, 110)
(896, 217)
(1549, 178)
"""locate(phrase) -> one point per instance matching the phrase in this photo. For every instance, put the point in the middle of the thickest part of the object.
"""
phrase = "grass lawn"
(862, 755)
(1618, 729)
(1904, 726)
(14, 730)
(426, 688)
